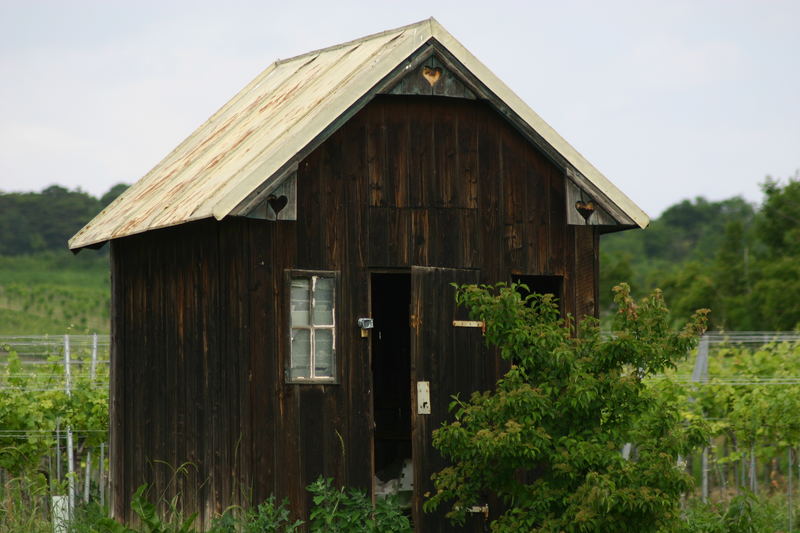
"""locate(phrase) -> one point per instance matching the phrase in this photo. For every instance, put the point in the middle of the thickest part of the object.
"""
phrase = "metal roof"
(289, 109)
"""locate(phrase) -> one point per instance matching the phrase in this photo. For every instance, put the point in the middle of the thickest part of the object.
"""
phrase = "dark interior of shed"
(542, 285)
(391, 378)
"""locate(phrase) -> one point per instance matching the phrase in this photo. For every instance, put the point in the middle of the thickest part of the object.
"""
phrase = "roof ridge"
(369, 37)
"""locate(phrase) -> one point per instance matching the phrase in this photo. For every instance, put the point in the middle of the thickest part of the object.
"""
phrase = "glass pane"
(300, 301)
(301, 351)
(323, 353)
(323, 302)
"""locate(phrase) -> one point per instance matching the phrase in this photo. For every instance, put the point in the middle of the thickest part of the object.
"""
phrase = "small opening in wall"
(543, 285)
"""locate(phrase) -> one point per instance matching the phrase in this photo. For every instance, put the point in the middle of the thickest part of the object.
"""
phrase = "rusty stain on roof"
(286, 107)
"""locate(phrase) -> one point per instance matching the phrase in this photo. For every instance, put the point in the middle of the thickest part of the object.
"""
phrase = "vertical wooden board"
(444, 117)
(263, 379)
(203, 343)
(178, 369)
(234, 331)
(124, 453)
(193, 404)
(596, 259)
(154, 367)
(376, 146)
(537, 217)
(134, 408)
(585, 283)
(348, 447)
(421, 174)
(354, 157)
(570, 277)
(514, 200)
(340, 165)
(470, 228)
(334, 210)
(207, 250)
(439, 351)
(388, 237)
(558, 223)
(310, 228)
(116, 382)
(165, 404)
(172, 263)
(420, 236)
(312, 427)
(453, 237)
(490, 206)
(241, 357)
(398, 137)
(288, 473)
(467, 149)
(354, 448)
(378, 235)
(220, 398)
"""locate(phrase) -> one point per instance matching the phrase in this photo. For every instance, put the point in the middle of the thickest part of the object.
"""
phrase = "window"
(543, 285)
(313, 335)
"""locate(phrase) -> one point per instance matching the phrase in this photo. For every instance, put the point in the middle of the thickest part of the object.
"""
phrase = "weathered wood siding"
(200, 406)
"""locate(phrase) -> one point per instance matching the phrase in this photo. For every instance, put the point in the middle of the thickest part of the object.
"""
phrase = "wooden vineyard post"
(790, 488)
(70, 462)
(93, 373)
(705, 474)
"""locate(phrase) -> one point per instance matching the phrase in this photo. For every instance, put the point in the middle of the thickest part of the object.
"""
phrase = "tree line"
(740, 260)
(33, 222)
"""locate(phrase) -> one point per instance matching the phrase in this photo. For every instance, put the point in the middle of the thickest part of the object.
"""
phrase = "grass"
(13, 322)
(53, 293)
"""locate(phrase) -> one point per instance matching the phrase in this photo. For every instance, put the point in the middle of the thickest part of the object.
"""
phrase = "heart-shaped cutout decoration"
(277, 203)
(585, 209)
(432, 74)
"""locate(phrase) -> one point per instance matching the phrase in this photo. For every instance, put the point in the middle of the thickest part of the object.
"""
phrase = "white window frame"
(312, 276)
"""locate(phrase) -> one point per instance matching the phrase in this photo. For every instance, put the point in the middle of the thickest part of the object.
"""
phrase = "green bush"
(266, 518)
(547, 441)
(346, 511)
(335, 510)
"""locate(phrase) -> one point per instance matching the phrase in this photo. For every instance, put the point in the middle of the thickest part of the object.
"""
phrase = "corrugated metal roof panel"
(280, 113)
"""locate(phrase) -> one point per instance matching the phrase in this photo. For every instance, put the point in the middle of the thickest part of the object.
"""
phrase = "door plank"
(441, 354)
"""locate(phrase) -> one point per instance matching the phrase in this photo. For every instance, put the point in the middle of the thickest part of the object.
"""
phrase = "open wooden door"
(450, 360)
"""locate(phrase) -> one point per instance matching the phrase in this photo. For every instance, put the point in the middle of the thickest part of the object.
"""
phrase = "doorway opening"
(391, 384)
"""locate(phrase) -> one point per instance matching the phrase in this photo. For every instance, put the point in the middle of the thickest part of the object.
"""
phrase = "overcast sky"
(669, 99)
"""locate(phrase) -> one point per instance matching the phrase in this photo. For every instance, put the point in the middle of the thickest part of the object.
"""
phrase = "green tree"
(776, 290)
(685, 241)
(33, 222)
(548, 440)
(778, 223)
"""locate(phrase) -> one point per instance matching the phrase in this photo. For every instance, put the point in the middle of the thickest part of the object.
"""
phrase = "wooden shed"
(282, 304)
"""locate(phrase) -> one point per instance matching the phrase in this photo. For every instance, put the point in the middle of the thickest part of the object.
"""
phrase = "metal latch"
(471, 324)
(483, 509)
(423, 398)
(365, 324)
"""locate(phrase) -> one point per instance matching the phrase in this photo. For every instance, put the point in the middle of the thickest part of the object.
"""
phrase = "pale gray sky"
(670, 99)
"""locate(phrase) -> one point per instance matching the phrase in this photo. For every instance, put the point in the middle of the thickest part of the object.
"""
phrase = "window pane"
(323, 353)
(301, 351)
(300, 301)
(323, 302)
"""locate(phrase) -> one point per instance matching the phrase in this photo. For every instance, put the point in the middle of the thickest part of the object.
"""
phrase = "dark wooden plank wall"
(200, 317)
